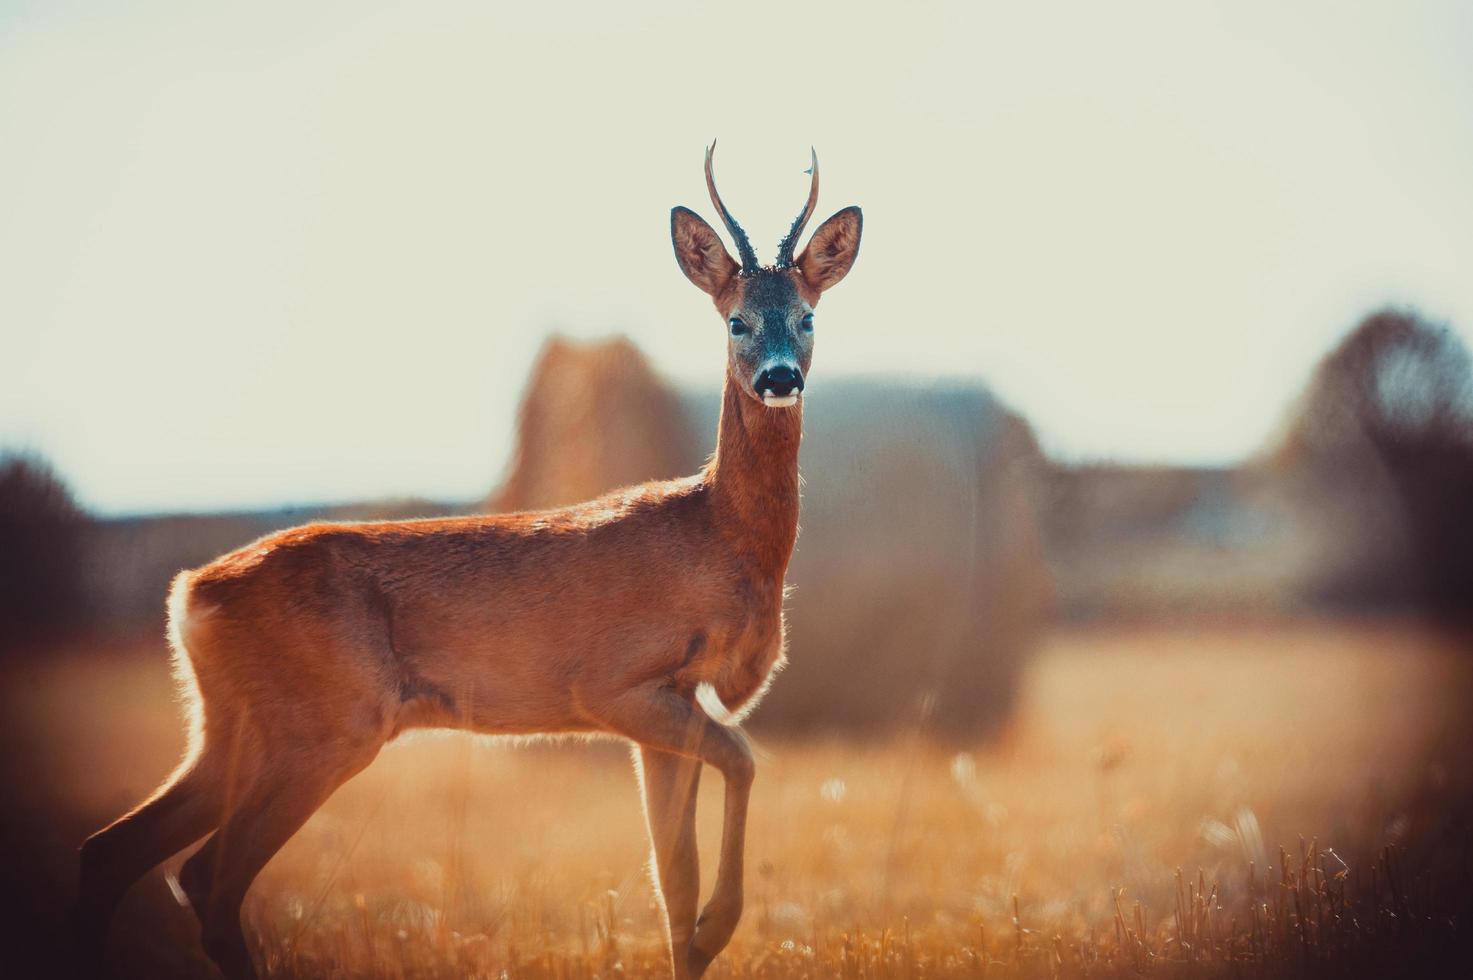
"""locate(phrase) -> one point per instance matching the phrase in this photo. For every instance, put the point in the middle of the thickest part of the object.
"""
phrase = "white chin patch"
(779, 401)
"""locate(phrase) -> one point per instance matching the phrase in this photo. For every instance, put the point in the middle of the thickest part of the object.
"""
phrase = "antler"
(744, 246)
(786, 246)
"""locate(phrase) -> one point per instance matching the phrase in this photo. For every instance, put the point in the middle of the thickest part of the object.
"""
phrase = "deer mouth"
(779, 401)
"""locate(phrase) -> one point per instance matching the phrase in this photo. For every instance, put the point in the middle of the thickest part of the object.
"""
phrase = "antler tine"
(787, 245)
(743, 244)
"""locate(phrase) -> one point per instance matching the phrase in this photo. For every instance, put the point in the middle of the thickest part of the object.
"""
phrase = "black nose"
(782, 380)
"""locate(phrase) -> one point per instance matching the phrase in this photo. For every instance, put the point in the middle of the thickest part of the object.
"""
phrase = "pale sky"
(267, 253)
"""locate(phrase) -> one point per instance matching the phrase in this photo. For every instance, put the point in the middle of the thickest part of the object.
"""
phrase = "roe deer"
(641, 615)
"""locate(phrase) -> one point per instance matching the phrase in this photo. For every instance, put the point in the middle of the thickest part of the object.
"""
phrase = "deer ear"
(832, 250)
(699, 251)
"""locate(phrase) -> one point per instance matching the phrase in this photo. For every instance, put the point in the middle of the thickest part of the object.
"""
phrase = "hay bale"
(919, 582)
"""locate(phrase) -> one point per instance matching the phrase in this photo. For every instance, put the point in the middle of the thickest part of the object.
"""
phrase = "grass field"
(1137, 753)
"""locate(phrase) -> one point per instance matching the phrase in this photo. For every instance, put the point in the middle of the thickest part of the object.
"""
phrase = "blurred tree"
(1383, 437)
(42, 539)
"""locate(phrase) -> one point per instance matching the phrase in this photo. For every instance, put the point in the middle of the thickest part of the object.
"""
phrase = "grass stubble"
(1244, 801)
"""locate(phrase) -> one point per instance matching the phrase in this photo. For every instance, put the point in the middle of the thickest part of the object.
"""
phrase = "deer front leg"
(658, 718)
(670, 782)
(718, 920)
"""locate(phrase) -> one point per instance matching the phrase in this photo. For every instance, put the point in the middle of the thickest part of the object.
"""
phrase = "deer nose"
(780, 379)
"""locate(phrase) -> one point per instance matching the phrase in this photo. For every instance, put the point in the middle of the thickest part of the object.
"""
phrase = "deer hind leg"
(196, 874)
(656, 717)
(183, 809)
(669, 784)
(188, 805)
(199, 869)
(266, 817)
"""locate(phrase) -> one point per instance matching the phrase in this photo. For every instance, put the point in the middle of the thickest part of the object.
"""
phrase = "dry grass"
(1138, 754)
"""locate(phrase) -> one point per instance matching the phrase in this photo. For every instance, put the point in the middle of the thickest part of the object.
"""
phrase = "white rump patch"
(710, 703)
(779, 401)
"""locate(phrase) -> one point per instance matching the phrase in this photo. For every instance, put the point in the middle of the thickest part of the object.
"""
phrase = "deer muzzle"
(779, 385)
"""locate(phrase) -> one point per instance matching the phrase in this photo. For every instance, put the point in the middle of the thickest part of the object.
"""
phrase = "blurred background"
(1138, 512)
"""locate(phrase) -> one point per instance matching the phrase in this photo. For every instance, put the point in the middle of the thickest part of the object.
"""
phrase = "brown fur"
(304, 652)
(514, 624)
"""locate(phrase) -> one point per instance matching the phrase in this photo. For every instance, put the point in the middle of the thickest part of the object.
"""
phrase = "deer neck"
(754, 478)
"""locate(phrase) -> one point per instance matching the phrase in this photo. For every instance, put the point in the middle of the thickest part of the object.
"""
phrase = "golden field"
(1136, 752)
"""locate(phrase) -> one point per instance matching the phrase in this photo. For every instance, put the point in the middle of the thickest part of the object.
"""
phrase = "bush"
(42, 538)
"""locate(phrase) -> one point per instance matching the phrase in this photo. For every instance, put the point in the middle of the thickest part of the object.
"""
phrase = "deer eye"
(739, 326)
(808, 322)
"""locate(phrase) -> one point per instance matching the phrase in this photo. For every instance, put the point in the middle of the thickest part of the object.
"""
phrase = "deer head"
(768, 309)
